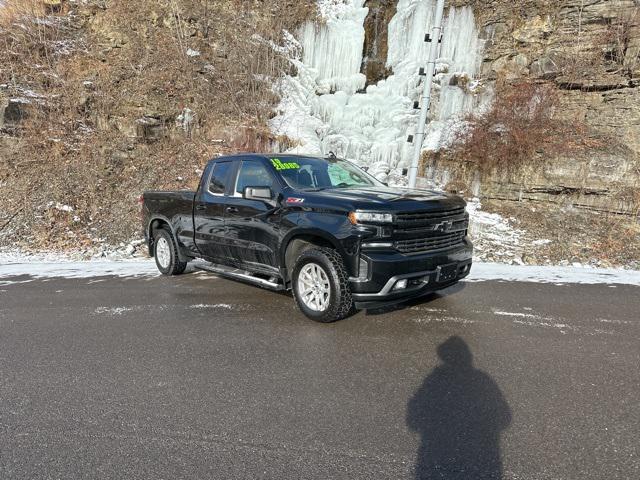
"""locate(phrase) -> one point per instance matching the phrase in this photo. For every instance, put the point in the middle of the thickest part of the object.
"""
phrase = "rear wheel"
(166, 254)
(321, 286)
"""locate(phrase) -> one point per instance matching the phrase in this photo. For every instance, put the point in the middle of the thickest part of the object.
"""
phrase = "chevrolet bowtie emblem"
(443, 226)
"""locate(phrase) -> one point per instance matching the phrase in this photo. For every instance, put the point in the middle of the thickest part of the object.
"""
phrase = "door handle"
(201, 206)
(232, 210)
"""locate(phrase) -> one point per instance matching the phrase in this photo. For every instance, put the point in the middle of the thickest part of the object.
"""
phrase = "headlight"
(370, 217)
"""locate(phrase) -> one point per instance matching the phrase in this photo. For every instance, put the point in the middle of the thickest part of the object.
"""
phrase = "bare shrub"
(520, 129)
(611, 51)
(260, 58)
(618, 41)
(257, 138)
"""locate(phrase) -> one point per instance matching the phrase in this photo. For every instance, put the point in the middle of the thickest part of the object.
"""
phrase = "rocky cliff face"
(590, 51)
(100, 100)
(376, 46)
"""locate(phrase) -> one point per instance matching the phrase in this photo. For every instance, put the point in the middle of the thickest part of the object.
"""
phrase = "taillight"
(141, 207)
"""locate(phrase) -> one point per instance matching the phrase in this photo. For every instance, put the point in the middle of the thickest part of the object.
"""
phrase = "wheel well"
(301, 243)
(154, 226)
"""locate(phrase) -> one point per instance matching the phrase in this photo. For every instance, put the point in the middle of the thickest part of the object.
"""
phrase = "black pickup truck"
(322, 227)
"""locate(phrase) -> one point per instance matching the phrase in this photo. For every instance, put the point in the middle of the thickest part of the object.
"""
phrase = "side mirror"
(262, 194)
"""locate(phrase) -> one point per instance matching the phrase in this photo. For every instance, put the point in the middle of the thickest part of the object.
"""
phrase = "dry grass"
(576, 235)
(13, 10)
(91, 74)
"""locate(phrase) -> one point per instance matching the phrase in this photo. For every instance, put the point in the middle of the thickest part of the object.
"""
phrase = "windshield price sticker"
(279, 165)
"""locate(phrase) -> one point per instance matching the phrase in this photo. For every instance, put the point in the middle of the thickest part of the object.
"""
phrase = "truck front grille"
(406, 222)
(415, 232)
(429, 244)
(417, 225)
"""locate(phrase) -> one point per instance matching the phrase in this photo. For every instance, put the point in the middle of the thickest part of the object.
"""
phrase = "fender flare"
(153, 219)
(181, 255)
(309, 232)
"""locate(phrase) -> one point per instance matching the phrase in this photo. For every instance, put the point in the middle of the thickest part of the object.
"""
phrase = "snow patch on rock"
(493, 235)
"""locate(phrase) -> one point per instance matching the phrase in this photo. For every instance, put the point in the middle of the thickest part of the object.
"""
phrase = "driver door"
(252, 230)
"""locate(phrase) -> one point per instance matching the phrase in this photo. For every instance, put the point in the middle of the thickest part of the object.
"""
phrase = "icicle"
(334, 49)
(321, 109)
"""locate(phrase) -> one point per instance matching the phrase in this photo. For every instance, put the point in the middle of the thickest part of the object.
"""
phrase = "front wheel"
(321, 286)
(166, 254)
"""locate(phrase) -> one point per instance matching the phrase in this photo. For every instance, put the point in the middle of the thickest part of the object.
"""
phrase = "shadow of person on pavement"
(459, 412)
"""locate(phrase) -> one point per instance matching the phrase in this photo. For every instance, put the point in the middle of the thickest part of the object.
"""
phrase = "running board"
(241, 275)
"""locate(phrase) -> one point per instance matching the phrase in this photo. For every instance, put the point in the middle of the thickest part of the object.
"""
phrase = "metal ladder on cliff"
(435, 40)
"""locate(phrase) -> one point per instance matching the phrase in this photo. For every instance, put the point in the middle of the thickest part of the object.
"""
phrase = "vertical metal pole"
(418, 138)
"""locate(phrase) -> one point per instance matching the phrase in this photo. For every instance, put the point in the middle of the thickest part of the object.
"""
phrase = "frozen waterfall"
(324, 107)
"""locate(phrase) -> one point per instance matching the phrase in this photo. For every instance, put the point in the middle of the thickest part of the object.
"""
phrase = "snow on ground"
(552, 274)
(493, 237)
(146, 268)
(74, 269)
(99, 250)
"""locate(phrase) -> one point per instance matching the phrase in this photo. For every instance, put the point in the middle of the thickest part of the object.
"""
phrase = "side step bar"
(241, 275)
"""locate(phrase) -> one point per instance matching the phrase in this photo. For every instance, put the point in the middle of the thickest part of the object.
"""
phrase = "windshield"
(304, 173)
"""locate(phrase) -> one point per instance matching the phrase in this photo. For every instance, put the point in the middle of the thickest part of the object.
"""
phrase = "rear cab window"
(219, 178)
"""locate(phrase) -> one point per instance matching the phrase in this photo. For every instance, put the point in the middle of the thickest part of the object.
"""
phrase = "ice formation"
(325, 107)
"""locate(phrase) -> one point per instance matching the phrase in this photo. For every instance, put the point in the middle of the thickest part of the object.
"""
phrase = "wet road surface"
(200, 377)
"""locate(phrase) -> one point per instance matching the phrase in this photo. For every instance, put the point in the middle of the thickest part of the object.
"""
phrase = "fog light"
(363, 271)
(400, 285)
(377, 245)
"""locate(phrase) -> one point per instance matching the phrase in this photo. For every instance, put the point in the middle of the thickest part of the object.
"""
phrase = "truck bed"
(169, 203)
(175, 208)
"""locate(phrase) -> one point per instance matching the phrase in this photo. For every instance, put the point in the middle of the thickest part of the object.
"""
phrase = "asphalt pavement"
(203, 378)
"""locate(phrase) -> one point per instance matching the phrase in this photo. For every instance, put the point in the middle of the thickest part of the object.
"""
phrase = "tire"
(166, 253)
(320, 285)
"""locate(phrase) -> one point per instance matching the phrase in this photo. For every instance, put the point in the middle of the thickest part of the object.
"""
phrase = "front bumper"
(424, 273)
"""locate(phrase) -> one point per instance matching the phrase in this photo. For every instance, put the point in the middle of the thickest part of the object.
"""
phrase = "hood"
(392, 199)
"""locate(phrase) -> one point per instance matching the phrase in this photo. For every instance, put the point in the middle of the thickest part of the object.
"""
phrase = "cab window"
(252, 174)
(218, 179)
(307, 173)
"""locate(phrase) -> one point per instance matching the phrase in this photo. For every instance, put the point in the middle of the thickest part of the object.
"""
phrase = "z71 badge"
(295, 200)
